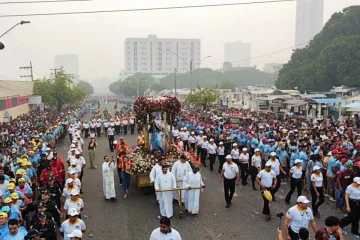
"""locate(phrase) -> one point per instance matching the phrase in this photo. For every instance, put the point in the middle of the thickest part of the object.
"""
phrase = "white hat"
(302, 199)
(297, 161)
(73, 212)
(201, 132)
(74, 192)
(204, 136)
(13, 150)
(357, 180)
(192, 133)
(244, 149)
(48, 149)
(72, 171)
(77, 153)
(115, 142)
(257, 150)
(69, 180)
(329, 153)
(272, 154)
(185, 128)
(211, 139)
(73, 141)
(228, 157)
(268, 164)
(235, 144)
(72, 145)
(221, 143)
(315, 168)
(75, 233)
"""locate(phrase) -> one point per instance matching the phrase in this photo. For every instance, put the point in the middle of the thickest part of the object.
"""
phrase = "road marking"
(211, 233)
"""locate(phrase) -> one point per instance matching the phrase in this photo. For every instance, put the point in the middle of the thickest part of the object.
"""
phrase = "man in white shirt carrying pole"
(180, 169)
(164, 184)
(231, 176)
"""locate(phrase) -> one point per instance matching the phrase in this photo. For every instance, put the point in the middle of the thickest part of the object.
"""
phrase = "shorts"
(330, 182)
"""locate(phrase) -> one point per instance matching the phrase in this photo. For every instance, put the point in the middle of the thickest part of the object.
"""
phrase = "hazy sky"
(98, 39)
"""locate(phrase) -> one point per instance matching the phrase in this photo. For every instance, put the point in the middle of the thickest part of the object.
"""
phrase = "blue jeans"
(125, 181)
(339, 198)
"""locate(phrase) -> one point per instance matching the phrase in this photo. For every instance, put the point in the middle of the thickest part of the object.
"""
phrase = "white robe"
(155, 171)
(179, 170)
(158, 235)
(108, 179)
(192, 197)
(165, 182)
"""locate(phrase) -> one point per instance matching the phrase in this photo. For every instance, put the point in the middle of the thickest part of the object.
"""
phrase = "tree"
(59, 91)
(129, 86)
(203, 97)
(87, 87)
(204, 77)
(332, 58)
(158, 87)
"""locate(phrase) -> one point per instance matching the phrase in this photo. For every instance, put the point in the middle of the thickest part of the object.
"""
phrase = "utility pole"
(55, 71)
(31, 76)
(191, 70)
(175, 79)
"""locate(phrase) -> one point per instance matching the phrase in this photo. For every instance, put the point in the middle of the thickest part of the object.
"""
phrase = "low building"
(343, 91)
(14, 98)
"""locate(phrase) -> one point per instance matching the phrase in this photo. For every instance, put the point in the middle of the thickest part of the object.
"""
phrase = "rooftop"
(13, 88)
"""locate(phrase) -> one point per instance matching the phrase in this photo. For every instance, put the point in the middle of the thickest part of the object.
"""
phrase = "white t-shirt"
(354, 193)
(230, 171)
(204, 144)
(318, 179)
(275, 166)
(66, 192)
(244, 158)
(80, 162)
(158, 235)
(298, 218)
(212, 148)
(77, 169)
(235, 154)
(78, 205)
(192, 139)
(185, 135)
(266, 178)
(67, 227)
(296, 172)
(256, 161)
(221, 151)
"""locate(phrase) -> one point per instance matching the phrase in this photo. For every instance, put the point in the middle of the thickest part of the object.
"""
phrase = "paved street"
(136, 216)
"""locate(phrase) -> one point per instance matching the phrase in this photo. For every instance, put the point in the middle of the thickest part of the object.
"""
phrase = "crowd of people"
(39, 198)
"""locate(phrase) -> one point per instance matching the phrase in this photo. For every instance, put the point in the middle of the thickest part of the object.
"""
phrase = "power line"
(260, 56)
(145, 9)
(46, 1)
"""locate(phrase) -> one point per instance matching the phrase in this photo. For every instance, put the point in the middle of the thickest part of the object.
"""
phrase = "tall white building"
(237, 53)
(157, 56)
(70, 64)
(309, 20)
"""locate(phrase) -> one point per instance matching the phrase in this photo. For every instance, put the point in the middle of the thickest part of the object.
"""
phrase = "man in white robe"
(156, 171)
(193, 179)
(108, 168)
(180, 169)
(165, 181)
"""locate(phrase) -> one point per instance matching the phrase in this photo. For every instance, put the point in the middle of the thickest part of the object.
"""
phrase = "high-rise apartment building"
(160, 56)
(70, 64)
(309, 20)
(237, 53)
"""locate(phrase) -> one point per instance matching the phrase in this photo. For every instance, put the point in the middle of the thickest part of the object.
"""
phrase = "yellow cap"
(14, 195)
(8, 200)
(28, 164)
(24, 156)
(19, 172)
(3, 215)
(21, 180)
(11, 186)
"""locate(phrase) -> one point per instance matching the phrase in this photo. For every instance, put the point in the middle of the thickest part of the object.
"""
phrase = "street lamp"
(20, 23)
(204, 58)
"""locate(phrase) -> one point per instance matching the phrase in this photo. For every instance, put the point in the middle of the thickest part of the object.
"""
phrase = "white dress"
(108, 179)
(165, 182)
(179, 170)
(192, 197)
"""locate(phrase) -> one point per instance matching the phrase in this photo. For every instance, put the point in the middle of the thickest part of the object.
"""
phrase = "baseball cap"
(297, 161)
(11, 186)
(3, 215)
(69, 180)
(272, 154)
(72, 171)
(228, 157)
(244, 149)
(75, 233)
(7, 200)
(257, 150)
(14, 195)
(5, 209)
(74, 192)
(357, 180)
(77, 153)
(73, 212)
(268, 164)
(302, 199)
(315, 168)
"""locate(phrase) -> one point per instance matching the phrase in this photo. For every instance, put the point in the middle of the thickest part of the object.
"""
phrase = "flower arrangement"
(143, 162)
(143, 107)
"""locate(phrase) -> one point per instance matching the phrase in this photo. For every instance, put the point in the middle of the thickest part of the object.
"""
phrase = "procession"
(44, 195)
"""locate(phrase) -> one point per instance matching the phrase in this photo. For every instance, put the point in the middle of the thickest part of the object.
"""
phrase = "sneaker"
(331, 199)
(344, 232)
(125, 196)
(356, 236)
(326, 195)
(227, 205)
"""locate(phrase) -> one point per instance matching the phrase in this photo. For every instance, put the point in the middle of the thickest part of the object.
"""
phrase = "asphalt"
(135, 217)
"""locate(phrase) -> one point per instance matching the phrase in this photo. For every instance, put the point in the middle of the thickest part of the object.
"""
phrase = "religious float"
(155, 115)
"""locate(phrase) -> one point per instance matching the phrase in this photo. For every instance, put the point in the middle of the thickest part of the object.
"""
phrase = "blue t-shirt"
(331, 163)
(21, 234)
